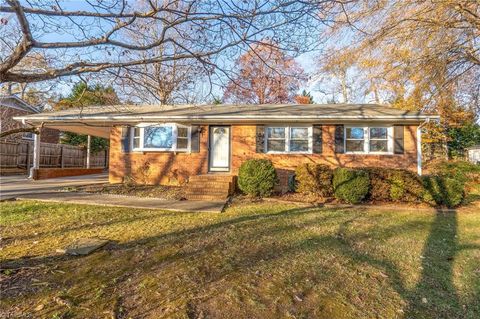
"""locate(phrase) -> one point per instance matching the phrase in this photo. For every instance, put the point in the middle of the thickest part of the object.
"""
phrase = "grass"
(259, 260)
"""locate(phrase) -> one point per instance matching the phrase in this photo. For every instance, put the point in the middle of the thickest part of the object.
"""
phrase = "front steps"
(210, 187)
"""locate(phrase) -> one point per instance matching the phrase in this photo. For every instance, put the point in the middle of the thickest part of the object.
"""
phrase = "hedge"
(350, 185)
(443, 191)
(257, 177)
(314, 179)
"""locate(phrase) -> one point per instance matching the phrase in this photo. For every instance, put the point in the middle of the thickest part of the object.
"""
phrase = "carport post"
(88, 150)
(36, 154)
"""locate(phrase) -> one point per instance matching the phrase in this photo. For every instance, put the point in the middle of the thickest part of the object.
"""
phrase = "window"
(161, 137)
(28, 136)
(276, 139)
(158, 137)
(355, 139)
(378, 139)
(299, 139)
(285, 139)
(136, 137)
(363, 139)
(182, 138)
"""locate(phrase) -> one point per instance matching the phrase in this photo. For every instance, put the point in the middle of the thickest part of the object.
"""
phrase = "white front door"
(219, 148)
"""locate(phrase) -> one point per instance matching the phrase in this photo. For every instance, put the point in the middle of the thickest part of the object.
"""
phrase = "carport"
(44, 121)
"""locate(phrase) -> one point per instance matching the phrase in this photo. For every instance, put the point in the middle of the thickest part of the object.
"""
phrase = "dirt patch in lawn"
(150, 191)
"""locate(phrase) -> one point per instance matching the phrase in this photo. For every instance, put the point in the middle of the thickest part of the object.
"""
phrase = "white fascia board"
(245, 118)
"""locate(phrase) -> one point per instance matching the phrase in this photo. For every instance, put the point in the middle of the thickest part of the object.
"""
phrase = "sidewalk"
(12, 187)
(126, 201)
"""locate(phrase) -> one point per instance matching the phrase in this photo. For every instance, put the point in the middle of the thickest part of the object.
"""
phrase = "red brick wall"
(156, 167)
(243, 148)
(49, 135)
(170, 168)
(46, 173)
(8, 123)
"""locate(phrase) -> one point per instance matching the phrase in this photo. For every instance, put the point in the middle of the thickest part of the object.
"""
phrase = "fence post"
(36, 155)
(62, 162)
(88, 150)
(28, 157)
(106, 158)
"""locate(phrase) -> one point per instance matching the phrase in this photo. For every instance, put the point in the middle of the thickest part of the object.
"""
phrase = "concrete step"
(207, 197)
(212, 177)
(210, 187)
(206, 192)
(209, 183)
(214, 187)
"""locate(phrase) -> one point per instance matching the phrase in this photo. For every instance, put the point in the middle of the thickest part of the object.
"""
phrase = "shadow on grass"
(434, 296)
(435, 293)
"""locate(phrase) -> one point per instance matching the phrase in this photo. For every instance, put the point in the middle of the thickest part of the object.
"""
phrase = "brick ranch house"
(175, 144)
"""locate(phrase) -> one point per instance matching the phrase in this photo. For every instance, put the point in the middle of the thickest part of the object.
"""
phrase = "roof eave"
(224, 119)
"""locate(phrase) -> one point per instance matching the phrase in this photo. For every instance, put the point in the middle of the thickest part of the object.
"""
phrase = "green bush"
(257, 177)
(405, 186)
(314, 179)
(350, 185)
(388, 184)
(443, 191)
(379, 183)
(461, 170)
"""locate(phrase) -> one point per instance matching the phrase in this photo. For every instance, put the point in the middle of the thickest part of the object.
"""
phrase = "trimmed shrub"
(394, 185)
(314, 179)
(405, 186)
(443, 191)
(461, 170)
(350, 185)
(257, 177)
(379, 183)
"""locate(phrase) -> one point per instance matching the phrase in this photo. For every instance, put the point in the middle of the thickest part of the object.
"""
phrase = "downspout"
(419, 146)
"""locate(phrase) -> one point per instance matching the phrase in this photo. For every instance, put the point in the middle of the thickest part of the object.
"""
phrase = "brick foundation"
(46, 173)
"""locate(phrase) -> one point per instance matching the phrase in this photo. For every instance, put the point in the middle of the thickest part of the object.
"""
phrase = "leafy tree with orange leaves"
(266, 75)
(304, 98)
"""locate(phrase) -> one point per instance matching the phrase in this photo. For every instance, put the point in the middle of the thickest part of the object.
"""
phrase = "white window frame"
(174, 148)
(366, 139)
(288, 129)
(30, 138)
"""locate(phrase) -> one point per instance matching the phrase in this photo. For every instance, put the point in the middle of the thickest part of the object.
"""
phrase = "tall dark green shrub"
(379, 183)
(350, 185)
(405, 186)
(314, 179)
(460, 170)
(257, 177)
(443, 191)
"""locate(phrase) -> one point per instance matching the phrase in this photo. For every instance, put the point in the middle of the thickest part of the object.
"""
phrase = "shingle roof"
(231, 113)
(17, 103)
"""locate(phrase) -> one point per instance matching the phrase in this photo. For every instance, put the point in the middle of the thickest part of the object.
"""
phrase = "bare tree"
(159, 82)
(91, 38)
(416, 52)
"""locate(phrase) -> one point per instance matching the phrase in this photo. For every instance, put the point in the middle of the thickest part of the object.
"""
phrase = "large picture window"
(286, 139)
(161, 137)
(365, 139)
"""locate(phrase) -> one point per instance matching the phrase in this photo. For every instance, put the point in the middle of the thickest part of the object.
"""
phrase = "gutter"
(419, 142)
(136, 118)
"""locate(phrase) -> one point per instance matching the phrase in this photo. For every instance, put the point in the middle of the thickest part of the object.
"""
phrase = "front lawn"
(258, 260)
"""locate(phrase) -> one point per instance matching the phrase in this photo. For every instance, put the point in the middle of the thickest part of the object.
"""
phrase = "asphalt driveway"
(14, 186)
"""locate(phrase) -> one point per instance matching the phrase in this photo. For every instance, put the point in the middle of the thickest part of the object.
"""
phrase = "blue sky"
(308, 61)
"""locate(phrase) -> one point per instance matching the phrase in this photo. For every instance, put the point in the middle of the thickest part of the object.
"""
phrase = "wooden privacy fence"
(19, 154)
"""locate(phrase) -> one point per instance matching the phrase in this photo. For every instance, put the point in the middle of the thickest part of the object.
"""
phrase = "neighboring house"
(474, 154)
(170, 144)
(12, 106)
